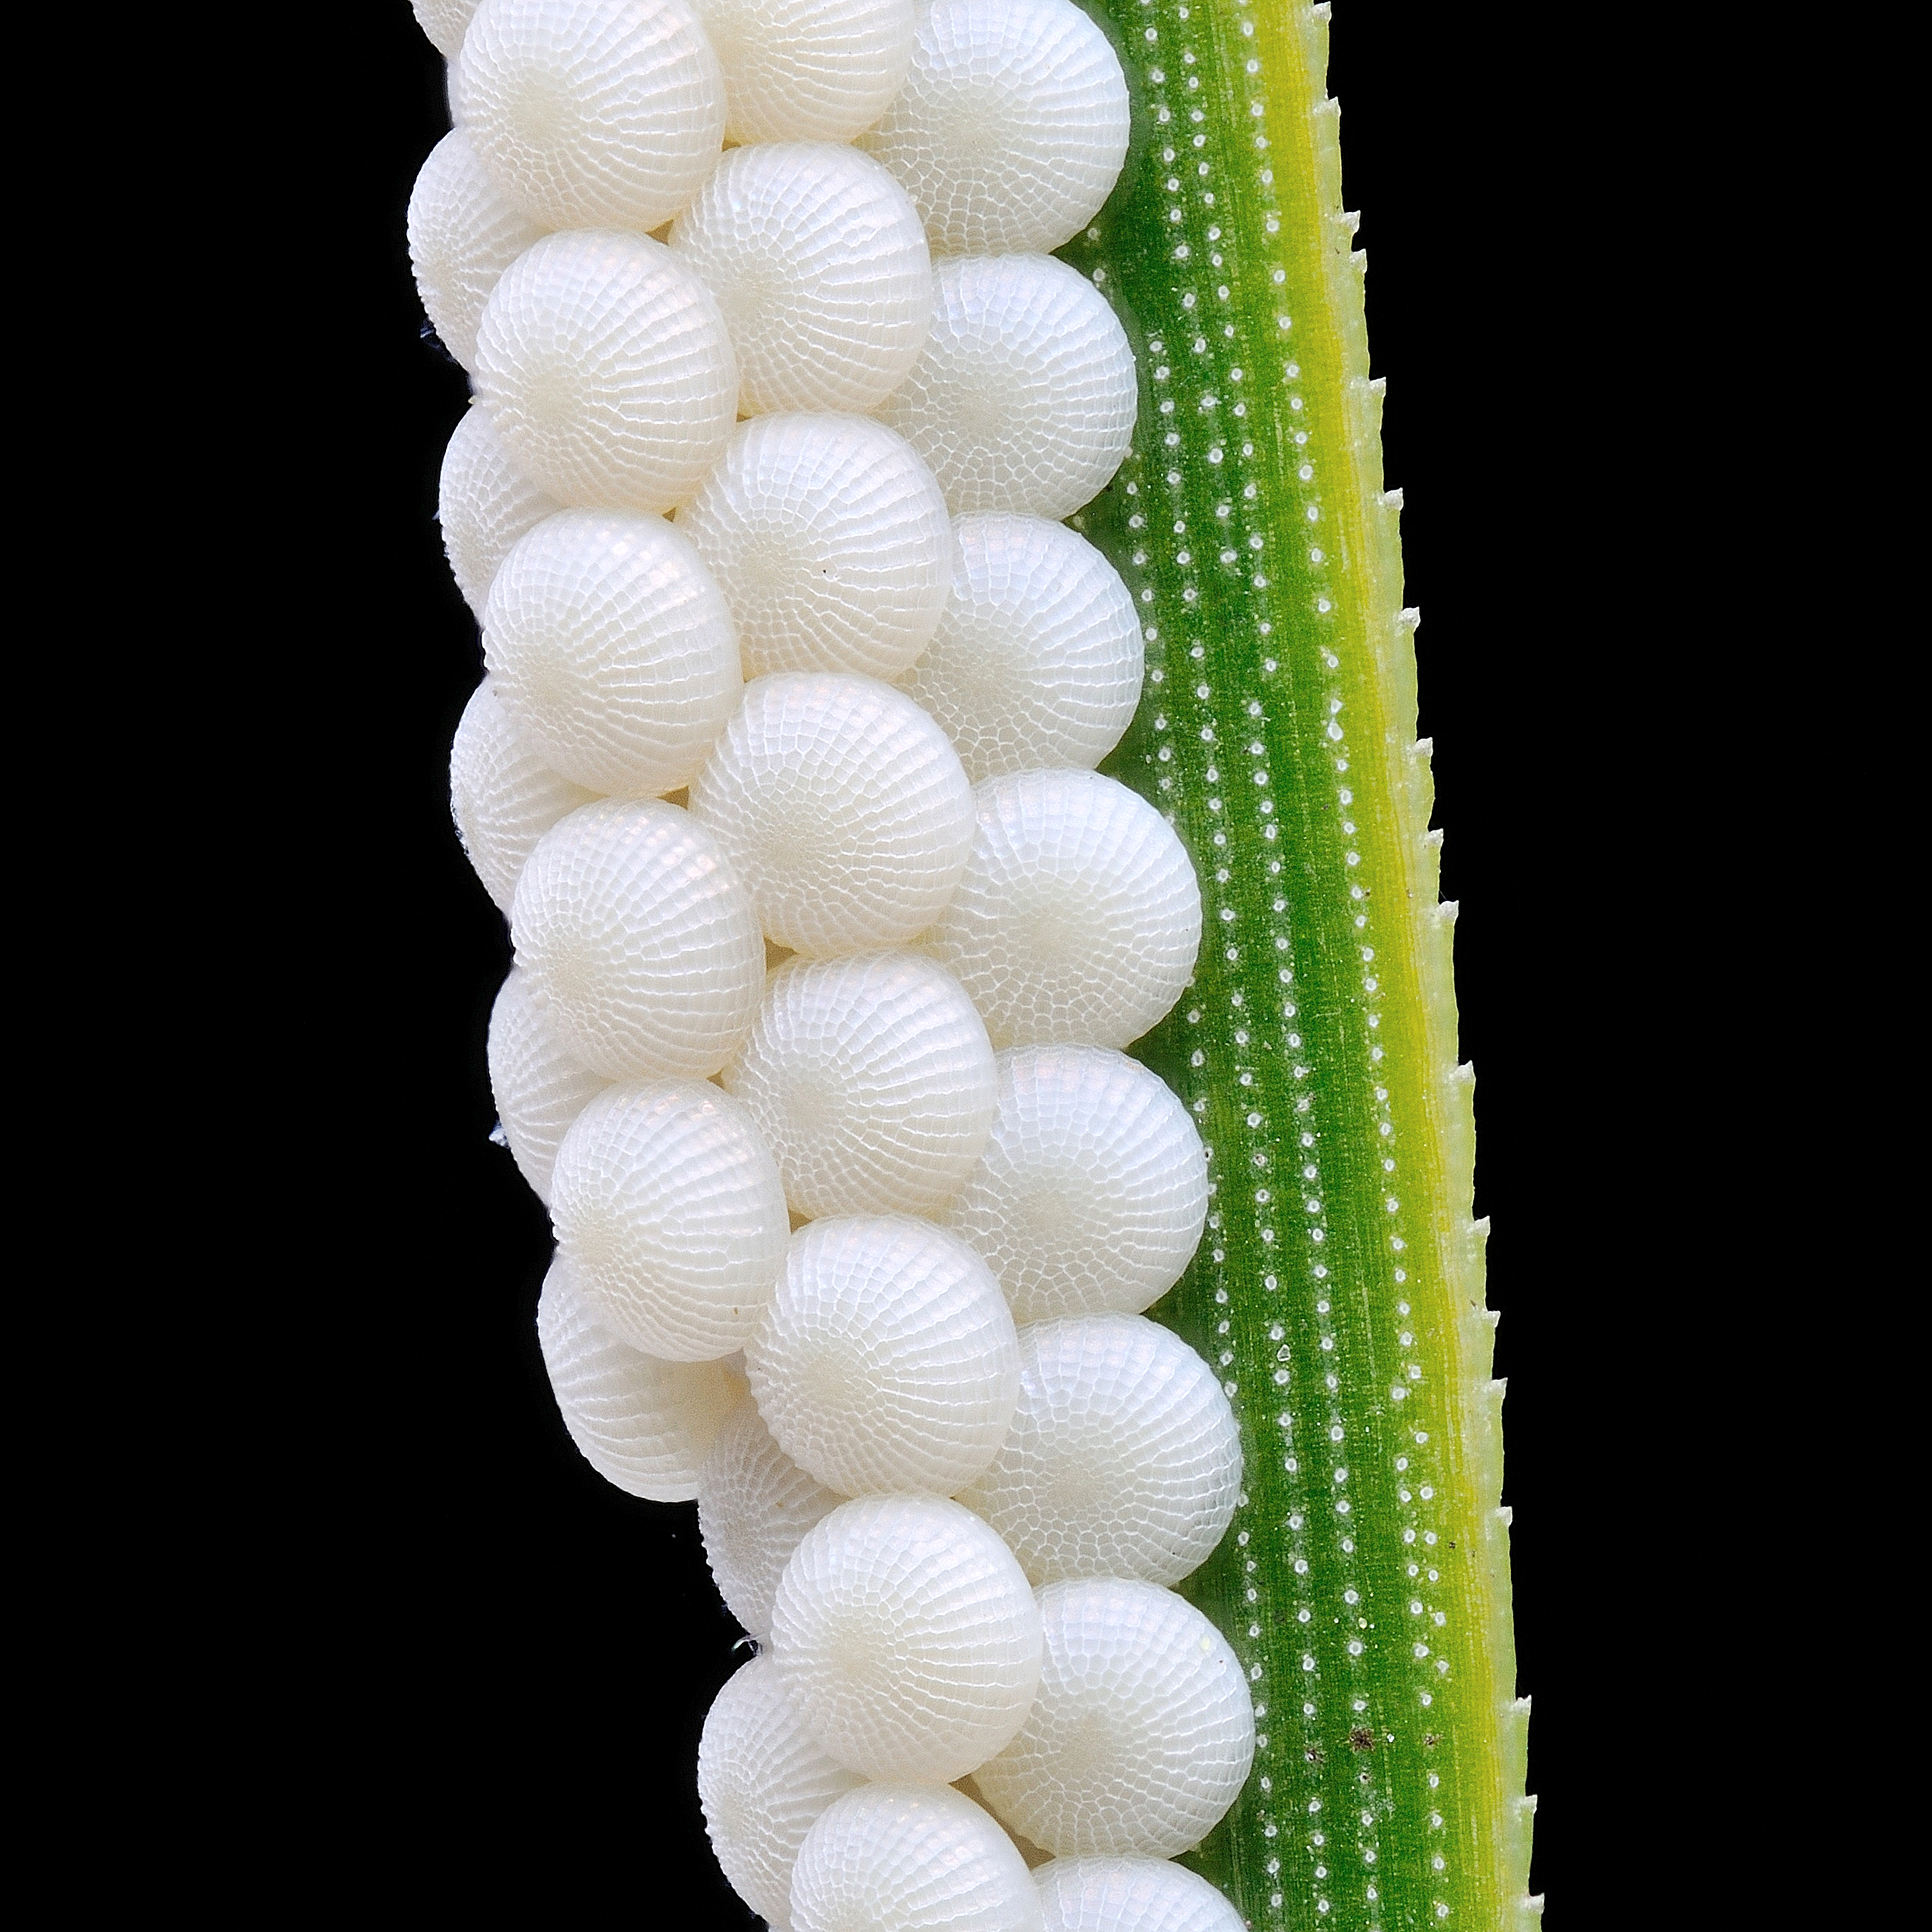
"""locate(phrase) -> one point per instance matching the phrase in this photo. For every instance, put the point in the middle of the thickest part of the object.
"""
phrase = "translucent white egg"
(1124, 1458)
(1023, 397)
(906, 1638)
(611, 646)
(1079, 916)
(755, 1504)
(452, 91)
(843, 807)
(643, 1424)
(888, 1359)
(911, 1857)
(871, 1080)
(1142, 1733)
(670, 1212)
(1093, 1192)
(641, 946)
(608, 369)
(763, 1783)
(463, 235)
(819, 263)
(1130, 1895)
(1037, 658)
(831, 542)
(1012, 127)
(538, 1089)
(445, 22)
(484, 503)
(502, 796)
(807, 69)
(593, 113)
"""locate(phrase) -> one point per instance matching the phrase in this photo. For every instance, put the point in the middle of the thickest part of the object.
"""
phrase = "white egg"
(1023, 397)
(911, 1857)
(1037, 658)
(906, 1638)
(608, 368)
(871, 1080)
(452, 91)
(845, 809)
(538, 1089)
(463, 235)
(1079, 917)
(1130, 1895)
(445, 22)
(1093, 1192)
(819, 266)
(484, 503)
(1124, 1458)
(610, 645)
(755, 1504)
(502, 796)
(807, 69)
(1142, 1735)
(669, 1210)
(888, 1360)
(644, 1424)
(763, 1783)
(593, 113)
(1012, 127)
(642, 948)
(831, 542)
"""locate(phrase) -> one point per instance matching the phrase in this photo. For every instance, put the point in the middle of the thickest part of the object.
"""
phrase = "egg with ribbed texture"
(669, 1210)
(484, 503)
(463, 235)
(1023, 399)
(1124, 1458)
(593, 113)
(888, 1360)
(871, 1080)
(538, 1089)
(820, 265)
(909, 1857)
(644, 1424)
(1011, 128)
(446, 22)
(1142, 1733)
(831, 542)
(1093, 1192)
(607, 368)
(906, 1638)
(843, 807)
(1078, 916)
(763, 1783)
(807, 69)
(1130, 1895)
(642, 951)
(1036, 660)
(502, 796)
(755, 1504)
(611, 647)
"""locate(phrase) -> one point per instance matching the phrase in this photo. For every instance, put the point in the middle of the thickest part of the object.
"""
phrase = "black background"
(528, 1651)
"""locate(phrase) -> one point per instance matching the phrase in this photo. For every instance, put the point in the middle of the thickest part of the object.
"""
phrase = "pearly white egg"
(484, 504)
(807, 69)
(538, 1089)
(1130, 1895)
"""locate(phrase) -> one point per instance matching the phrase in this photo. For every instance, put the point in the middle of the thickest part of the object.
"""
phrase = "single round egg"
(831, 542)
(1092, 1194)
(445, 22)
(462, 235)
(607, 366)
(843, 807)
(643, 954)
(1142, 1733)
(887, 1361)
(807, 69)
(1130, 1895)
(1037, 659)
(906, 1638)
(610, 645)
(1079, 917)
(1023, 399)
(820, 267)
(484, 504)
(872, 1079)
(538, 1089)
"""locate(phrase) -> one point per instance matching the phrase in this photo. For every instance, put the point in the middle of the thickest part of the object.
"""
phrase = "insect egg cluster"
(828, 935)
